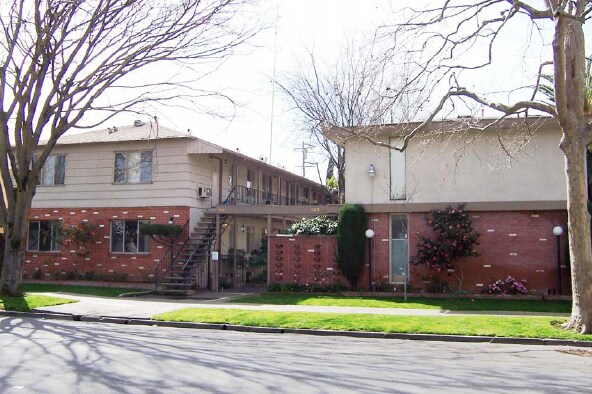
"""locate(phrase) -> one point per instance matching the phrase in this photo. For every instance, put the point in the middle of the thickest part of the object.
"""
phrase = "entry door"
(399, 249)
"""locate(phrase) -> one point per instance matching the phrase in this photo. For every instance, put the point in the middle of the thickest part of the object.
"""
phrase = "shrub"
(351, 242)
(319, 225)
(509, 286)
(161, 230)
(455, 239)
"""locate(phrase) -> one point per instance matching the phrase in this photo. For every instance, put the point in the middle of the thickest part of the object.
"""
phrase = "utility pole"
(304, 149)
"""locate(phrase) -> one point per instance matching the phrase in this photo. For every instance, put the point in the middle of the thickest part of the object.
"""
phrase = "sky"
(321, 26)
(247, 78)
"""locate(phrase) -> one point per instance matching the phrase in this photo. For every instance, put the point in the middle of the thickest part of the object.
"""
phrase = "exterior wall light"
(371, 171)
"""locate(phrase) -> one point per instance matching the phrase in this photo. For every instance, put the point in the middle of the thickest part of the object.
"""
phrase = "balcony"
(251, 196)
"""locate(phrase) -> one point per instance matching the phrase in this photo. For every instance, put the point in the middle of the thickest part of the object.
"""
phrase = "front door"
(399, 249)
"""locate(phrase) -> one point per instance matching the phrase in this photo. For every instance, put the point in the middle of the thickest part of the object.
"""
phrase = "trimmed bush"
(319, 225)
(351, 242)
(161, 230)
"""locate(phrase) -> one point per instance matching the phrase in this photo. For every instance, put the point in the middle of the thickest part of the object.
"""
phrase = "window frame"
(123, 243)
(126, 170)
(44, 169)
(54, 242)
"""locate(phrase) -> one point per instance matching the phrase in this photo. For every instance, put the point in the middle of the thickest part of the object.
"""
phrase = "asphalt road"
(52, 356)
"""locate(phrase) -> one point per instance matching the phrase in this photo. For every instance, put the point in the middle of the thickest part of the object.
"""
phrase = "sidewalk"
(146, 307)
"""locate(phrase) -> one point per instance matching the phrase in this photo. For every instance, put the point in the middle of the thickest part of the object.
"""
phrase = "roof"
(143, 132)
(340, 134)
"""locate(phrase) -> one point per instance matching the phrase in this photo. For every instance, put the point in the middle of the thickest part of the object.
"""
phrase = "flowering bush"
(509, 286)
(319, 225)
(455, 238)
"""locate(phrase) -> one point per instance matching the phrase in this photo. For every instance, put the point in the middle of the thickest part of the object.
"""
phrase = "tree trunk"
(15, 244)
(580, 249)
(12, 267)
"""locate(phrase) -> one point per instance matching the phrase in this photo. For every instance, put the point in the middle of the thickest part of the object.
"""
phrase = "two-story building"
(111, 181)
(510, 174)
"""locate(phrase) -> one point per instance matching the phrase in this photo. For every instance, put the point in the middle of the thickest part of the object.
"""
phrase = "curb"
(300, 331)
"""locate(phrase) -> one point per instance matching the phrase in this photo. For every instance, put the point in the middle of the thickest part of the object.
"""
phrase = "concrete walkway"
(146, 307)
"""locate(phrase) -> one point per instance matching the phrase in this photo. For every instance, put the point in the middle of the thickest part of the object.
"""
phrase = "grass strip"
(86, 290)
(453, 304)
(521, 327)
(30, 302)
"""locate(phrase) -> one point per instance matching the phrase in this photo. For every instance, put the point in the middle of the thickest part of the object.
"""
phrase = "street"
(52, 356)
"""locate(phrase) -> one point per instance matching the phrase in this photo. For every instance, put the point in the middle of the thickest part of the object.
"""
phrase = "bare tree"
(361, 87)
(455, 37)
(60, 59)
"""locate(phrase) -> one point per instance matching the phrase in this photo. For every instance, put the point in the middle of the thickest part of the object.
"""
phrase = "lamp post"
(557, 231)
(369, 234)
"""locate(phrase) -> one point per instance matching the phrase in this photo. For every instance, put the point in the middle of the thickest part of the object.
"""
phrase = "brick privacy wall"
(303, 259)
(516, 243)
(138, 266)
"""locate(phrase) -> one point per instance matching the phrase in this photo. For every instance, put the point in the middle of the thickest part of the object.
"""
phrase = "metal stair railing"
(169, 258)
(204, 245)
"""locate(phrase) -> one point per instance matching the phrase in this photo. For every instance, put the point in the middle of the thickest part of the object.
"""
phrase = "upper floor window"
(397, 170)
(126, 237)
(133, 167)
(53, 171)
(44, 236)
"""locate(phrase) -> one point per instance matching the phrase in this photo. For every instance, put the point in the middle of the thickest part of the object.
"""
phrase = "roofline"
(340, 135)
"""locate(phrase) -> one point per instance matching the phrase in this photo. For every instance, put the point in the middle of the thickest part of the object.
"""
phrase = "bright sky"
(322, 26)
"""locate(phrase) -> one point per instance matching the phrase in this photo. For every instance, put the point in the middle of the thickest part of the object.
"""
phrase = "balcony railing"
(250, 196)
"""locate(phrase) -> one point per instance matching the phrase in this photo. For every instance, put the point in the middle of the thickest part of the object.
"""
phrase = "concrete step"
(175, 292)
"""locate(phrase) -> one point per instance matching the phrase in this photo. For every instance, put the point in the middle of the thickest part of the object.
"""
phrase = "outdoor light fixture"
(171, 219)
(371, 171)
(242, 228)
(557, 232)
(369, 234)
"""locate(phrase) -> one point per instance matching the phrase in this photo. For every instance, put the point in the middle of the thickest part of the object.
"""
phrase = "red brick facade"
(301, 259)
(135, 267)
(516, 243)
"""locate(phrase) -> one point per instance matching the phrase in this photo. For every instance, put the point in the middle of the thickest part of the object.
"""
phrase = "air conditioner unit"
(204, 192)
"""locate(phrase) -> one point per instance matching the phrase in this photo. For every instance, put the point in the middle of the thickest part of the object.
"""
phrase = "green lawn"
(27, 303)
(87, 290)
(524, 327)
(453, 304)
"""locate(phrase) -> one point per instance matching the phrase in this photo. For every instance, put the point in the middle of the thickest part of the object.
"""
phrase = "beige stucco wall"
(461, 168)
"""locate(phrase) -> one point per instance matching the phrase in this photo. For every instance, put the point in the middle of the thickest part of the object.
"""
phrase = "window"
(397, 172)
(126, 238)
(133, 167)
(53, 171)
(44, 236)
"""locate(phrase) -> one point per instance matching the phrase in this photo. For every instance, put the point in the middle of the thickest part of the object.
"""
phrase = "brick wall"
(302, 259)
(138, 266)
(516, 243)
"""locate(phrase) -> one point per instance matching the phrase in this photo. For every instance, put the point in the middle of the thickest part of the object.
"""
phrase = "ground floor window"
(399, 269)
(44, 236)
(126, 238)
